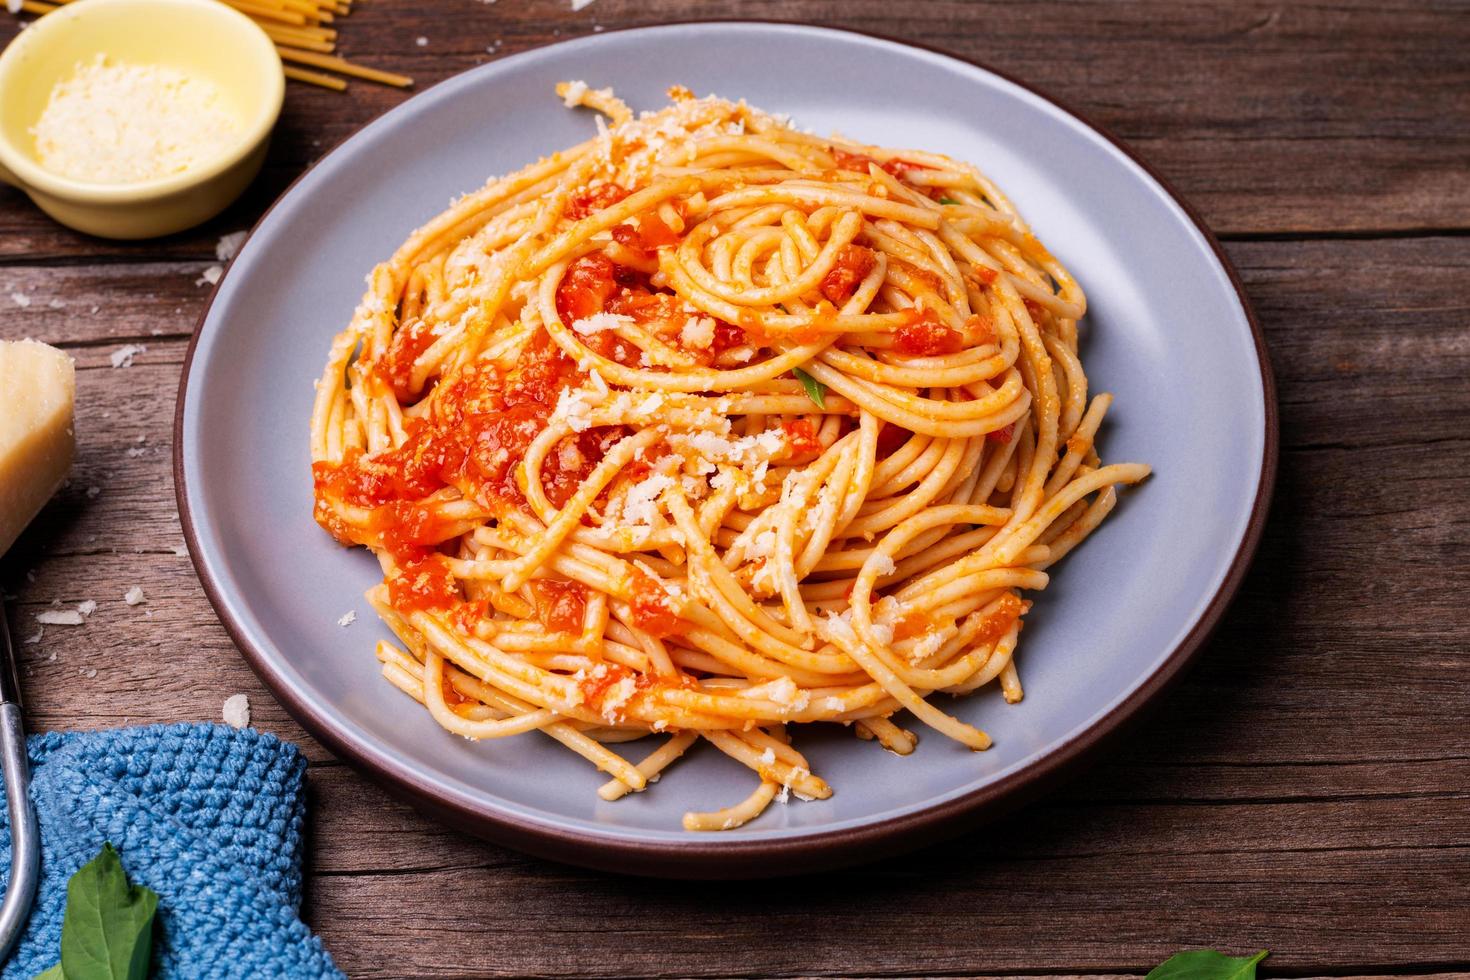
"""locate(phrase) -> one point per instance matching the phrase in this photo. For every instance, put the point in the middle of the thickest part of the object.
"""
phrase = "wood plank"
(1246, 107)
(961, 909)
(1068, 826)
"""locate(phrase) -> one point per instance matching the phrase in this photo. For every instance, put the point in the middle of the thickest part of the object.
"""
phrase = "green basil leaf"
(52, 974)
(1207, 964)
(948, 200)
(815, 390)
(107, 932)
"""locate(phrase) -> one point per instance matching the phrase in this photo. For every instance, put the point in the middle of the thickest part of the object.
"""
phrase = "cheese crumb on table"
(36, 436)
(123, 356)
(229, 245)
(347, 619)
(237, 711)
(135, 596)
(115, 122)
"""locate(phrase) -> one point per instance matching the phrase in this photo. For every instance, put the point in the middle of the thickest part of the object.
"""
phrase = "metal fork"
(25, 833)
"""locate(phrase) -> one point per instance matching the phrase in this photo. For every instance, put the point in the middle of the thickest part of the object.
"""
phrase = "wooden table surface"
(1306, 789)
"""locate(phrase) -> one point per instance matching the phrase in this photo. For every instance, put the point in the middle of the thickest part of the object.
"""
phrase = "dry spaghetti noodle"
(708, 427)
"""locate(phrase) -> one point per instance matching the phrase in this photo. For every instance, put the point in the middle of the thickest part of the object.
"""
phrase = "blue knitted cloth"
(209, 817)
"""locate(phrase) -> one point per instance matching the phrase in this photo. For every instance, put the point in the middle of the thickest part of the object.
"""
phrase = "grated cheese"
(641, 504)
(123, 356)
(574, 93)
(236, 712)
(698, 333)
(134, 596)
(229, 244)
(114, 122)
(598, 322)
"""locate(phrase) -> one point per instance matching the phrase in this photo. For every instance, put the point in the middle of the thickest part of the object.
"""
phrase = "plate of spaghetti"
(852, 448)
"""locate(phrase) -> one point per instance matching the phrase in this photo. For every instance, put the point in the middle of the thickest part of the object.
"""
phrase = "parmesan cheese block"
(37, 386)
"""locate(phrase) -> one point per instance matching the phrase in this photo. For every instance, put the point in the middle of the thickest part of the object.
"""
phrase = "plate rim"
(708, 857)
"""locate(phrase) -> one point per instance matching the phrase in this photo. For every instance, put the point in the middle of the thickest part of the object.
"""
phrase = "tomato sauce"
(661, 313)
(891, 438)
(452, 697)
(421, 584)
(586, 288)
(925, 336)
(801, 438)
(1003, 434)
(647, 236)
(984, 274)
(483, 420)
(981, 329)
(998, 622)
(590, 200)
(653, 611)
(396, 366)
(852, 266)
(561, 606)
(858, 163)
(598, 683)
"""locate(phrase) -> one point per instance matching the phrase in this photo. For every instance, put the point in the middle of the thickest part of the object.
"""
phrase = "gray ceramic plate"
(1168, 332)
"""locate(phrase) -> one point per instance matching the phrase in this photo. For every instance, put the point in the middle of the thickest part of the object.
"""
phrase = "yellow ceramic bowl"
(201, 37)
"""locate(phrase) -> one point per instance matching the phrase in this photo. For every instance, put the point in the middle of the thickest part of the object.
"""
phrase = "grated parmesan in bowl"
(117, 122)
(137, 118)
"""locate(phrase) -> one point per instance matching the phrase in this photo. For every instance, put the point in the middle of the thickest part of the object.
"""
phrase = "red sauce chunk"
(452, 697)
(727, 335)
(590, 200)
(853, 265)
(586, 288)
(422, 584)
(396, 366)
(998, 622)
(1003, 434)
(891, 438)
(980, 328)
(801, 438)
(661, 313)
(925, 336)
(561, 606)
(653, 610)
(482, 421)
(606, 678)
(649, 234)
(858, 163)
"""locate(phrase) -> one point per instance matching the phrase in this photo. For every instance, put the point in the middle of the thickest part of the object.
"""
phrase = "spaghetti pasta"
(709, 427)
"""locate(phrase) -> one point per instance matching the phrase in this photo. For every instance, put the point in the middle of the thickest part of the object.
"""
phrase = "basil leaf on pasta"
(815, 390)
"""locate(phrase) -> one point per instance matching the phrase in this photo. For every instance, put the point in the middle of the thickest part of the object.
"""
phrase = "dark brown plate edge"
(708, 858)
